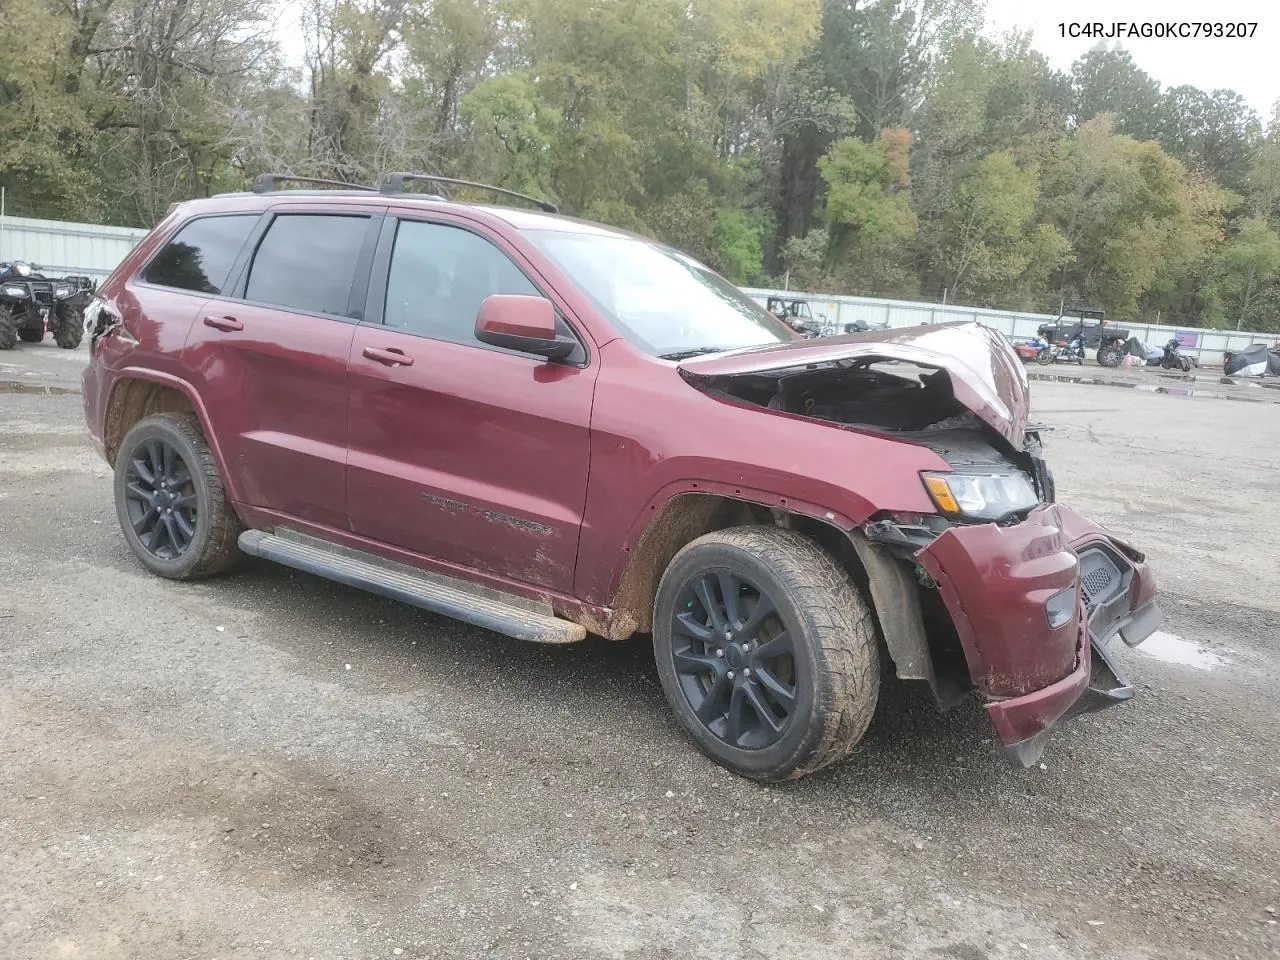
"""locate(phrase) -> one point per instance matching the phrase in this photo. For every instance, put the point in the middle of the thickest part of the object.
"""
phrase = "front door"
(271, 362)
(460, 451)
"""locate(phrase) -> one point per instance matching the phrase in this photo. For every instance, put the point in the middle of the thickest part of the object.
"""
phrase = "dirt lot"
(267, 765)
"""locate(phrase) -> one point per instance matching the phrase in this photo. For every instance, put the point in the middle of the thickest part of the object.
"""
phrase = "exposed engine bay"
(905, 401)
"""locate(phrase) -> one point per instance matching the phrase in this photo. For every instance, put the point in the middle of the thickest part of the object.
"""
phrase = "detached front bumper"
(996, 583)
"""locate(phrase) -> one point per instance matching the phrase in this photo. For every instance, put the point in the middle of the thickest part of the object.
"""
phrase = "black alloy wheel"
(173, 510)
(734, 659)
(160, 499)
(766, 650)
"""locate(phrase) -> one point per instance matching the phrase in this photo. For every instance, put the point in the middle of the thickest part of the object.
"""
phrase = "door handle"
(390, 356)
(226, 324)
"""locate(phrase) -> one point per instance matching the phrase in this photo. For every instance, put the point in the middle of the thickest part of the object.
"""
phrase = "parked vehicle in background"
(1038, 350)
(798, 315)
(1174, 358)
(1091, 327)
(547, 427)
(1255, 360)
(32, 304)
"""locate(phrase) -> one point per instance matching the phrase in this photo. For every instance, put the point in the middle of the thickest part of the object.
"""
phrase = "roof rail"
(394, 183)
(266, 182)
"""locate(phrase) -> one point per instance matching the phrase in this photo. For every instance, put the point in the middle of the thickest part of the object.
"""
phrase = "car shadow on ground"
(594, 685)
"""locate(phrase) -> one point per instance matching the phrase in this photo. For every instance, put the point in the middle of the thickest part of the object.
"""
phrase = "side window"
(201, 254)
(438, 277)
(307, 262)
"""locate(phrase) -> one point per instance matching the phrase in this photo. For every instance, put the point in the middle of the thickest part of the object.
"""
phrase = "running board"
(490, 609)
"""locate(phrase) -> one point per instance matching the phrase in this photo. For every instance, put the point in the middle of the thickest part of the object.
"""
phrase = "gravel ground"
(268, 765)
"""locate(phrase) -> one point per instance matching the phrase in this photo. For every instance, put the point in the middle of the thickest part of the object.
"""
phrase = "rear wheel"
(1044, 357)
(170, 501)
(767, 652)
(68, 325)
(9, 322)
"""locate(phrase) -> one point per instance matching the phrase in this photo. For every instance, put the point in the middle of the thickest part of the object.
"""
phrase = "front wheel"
(68, 325)
(1109, 356)
(767, 653)
(32, 329)
(10, 320)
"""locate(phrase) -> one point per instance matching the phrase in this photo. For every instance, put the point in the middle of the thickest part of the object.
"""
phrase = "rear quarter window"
(201, 254)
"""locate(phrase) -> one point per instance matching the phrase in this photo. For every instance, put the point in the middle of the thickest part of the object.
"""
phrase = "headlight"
(62, 289)
(981, 496)
(16, 292)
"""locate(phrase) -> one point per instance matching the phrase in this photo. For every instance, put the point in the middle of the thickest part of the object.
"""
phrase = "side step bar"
(490, 609)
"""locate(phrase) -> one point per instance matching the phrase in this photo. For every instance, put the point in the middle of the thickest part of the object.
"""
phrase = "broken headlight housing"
(981, 496)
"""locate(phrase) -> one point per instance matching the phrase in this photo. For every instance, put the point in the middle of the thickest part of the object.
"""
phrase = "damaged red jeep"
(549, 428)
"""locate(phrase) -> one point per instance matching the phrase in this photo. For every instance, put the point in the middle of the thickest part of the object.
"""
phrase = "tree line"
(886, 148)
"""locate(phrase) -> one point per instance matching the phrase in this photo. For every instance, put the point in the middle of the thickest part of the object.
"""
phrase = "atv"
(32, 304)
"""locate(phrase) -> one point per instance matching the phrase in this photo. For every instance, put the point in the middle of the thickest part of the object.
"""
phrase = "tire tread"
(841, 622)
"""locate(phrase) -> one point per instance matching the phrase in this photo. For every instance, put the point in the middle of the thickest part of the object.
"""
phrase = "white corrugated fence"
(61, 248)
(833, 311)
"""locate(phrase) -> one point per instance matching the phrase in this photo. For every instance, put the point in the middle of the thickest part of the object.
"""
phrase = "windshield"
(666, 303)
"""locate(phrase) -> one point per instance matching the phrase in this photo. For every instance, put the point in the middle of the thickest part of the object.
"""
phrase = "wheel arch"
(142, 393)
(690, 513)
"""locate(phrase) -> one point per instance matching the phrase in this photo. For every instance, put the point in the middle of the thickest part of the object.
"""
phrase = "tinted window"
(438, 277)
(200, 256)
(307, 262)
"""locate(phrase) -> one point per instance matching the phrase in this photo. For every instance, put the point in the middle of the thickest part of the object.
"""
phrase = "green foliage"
(738, 248)
(1250, 261)
(768, 137)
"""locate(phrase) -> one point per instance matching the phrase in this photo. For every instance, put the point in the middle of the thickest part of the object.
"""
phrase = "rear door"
(460, 451)
(271, 359)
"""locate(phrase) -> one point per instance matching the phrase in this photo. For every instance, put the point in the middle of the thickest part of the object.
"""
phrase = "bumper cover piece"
(994, 582)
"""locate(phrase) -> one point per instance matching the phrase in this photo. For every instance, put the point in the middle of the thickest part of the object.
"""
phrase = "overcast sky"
(1248, 66)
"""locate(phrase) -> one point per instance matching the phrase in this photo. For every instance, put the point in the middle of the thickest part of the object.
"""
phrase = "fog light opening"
(1060, 608)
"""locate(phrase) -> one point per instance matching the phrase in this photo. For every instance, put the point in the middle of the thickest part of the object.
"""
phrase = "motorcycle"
(1174, 358)
(1045, 353)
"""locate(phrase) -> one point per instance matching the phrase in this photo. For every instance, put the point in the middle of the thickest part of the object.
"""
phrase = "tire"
(68, 325)
(1044, 357)
(9, 320)
(32, 329)
(1109, 356)
(201, 505)
(832, 664)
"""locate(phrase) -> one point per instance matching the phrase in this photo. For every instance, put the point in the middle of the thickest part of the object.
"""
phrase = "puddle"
(12, 386)
(1172, 648)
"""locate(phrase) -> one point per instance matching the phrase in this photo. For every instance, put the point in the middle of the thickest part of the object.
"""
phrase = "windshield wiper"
(686, 354)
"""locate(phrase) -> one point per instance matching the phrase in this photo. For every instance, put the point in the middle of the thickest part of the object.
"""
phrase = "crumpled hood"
(986, 375)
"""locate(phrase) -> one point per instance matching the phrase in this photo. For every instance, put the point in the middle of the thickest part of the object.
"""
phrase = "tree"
(1129, 211)
(1214, 132)
(1251, 261)
(988, 246)
(868, 212)
(1108, 82)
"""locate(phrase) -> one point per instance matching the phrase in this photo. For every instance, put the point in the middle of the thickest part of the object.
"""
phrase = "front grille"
(1099, 577)
(42, 293)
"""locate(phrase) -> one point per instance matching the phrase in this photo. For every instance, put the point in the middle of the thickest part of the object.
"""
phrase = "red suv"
(550, 428)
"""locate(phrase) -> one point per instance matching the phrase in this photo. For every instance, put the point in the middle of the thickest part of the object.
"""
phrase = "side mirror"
(524, 323)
